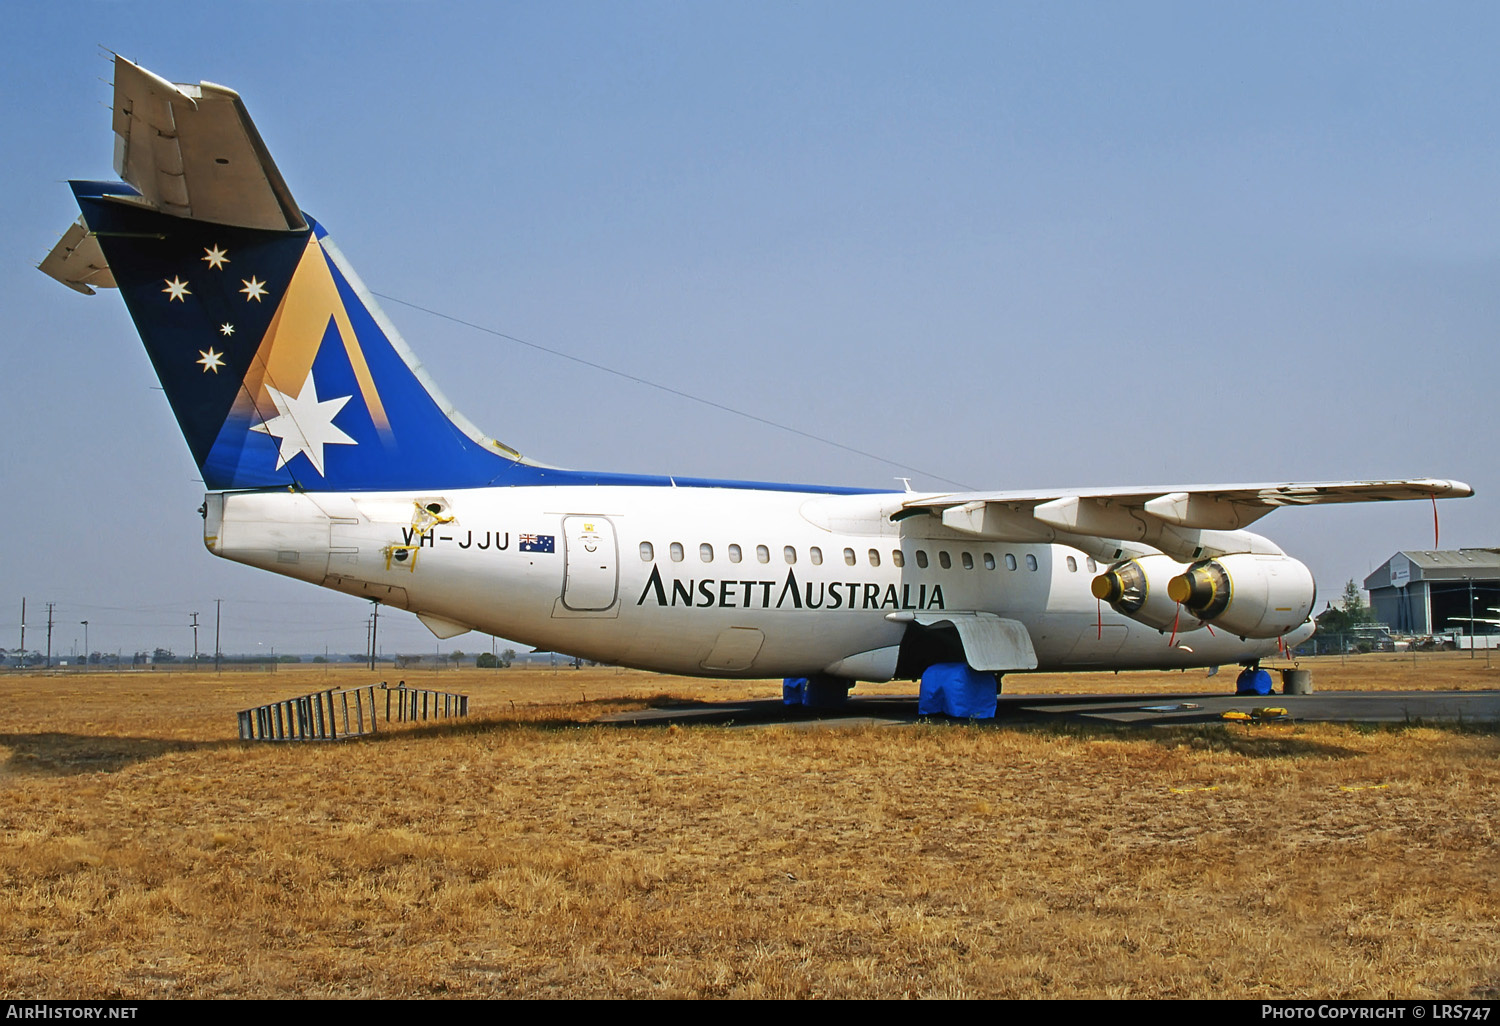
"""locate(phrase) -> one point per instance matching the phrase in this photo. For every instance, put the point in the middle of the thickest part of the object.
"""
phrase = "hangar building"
(1438, 592)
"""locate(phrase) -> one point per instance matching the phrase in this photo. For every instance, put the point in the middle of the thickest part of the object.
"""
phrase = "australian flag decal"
(537, 542)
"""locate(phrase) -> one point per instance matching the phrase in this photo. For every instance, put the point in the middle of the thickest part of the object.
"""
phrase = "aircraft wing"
(1188, 521)
(192, 151)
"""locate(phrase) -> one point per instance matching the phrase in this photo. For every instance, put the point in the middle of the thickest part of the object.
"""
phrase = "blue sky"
(1013, 245)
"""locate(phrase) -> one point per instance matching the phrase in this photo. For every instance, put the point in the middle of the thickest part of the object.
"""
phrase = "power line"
(672, 391)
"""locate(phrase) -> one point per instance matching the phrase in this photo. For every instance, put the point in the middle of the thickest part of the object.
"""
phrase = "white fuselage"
(721, 582)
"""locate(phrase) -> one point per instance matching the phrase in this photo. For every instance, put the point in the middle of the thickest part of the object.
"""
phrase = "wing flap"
(192, 151)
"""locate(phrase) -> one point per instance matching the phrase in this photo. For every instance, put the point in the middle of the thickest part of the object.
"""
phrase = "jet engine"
(1138, 588)
(1250, 596)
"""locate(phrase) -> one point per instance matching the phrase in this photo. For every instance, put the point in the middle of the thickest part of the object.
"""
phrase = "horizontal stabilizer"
(78, 262)
(192, 151)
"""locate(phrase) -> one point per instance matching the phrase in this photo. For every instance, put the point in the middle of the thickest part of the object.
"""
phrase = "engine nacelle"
(1138, 588)
(1250, 596)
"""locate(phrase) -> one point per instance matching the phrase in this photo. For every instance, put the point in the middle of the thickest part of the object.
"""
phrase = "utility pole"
(195, 641)
(23, 632)
(1472, 624)
(218, 652)
(85, 643)
(49, 634)
(374, 631)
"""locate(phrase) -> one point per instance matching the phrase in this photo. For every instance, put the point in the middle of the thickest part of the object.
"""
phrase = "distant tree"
(1348, 614)
(320, 659)
(487, 661)
(507, 657)
(1353, 605)
(163, 655)
(289, 659)
(1332, 621)
(456, 657)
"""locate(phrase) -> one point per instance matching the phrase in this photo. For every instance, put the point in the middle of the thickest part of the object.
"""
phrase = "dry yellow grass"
(147, 853)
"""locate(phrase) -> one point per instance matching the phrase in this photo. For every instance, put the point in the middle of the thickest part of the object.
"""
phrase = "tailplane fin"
(279, 367)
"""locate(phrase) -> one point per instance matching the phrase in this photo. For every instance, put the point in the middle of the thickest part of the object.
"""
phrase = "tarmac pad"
(1479, 707)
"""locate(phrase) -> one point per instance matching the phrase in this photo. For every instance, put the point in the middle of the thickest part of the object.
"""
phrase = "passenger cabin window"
(922, 558)
(1093, 567)
(898, 557)
(1072, 565)
(849, 557)
(944, 560)
(762, 554)
(789, 554)
(734, 554)
(815, 554)
(706, 552)
(967, 560)
(676, 551)
(1010, 561)
(1030, 561)
(989, 561)
(874, 557)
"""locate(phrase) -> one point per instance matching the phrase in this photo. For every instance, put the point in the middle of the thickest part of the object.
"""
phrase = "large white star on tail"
(303, 424)
(176, 289)
(253, 289)
(212, 360)
(216, 257)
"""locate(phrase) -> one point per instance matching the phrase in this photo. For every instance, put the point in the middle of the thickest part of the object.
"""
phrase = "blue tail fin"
(278, 365)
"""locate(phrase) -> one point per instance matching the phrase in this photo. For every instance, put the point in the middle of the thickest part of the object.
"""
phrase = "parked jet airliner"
(330, 456)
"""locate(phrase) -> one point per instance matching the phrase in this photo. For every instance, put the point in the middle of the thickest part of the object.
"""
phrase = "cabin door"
(591, 577)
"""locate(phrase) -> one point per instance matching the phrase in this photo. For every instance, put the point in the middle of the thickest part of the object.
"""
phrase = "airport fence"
(336, 715)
